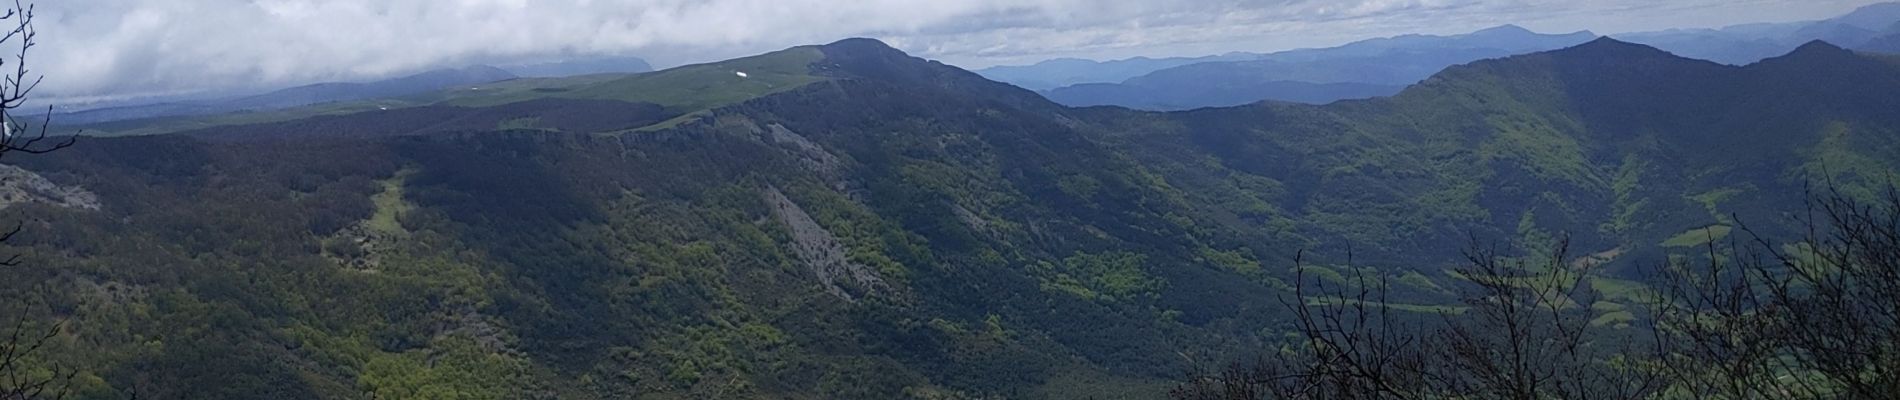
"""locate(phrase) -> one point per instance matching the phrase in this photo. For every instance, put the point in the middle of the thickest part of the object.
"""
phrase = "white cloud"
(117, 47)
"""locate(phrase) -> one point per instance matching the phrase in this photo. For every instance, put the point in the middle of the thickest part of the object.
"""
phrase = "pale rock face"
(809, 152)
(18, 185)
(818, 249)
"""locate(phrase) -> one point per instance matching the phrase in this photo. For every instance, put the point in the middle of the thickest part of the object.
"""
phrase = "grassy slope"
(390, 205)
(513, 90)
(705, 86)
(686, 89)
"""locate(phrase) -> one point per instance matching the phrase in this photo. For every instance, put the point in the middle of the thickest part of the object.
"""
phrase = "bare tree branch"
(26, 373)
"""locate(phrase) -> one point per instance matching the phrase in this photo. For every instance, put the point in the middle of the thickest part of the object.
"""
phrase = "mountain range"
(846, 221)
(1061, 72)
(580, 66)
(1370, 68)
(1869, 28)
(319, 93)
(1381, 67)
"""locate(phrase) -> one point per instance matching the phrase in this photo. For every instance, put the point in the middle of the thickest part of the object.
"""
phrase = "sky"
(110, 49)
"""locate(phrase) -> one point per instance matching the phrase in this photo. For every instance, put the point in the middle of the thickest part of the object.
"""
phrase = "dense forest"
(849, 222)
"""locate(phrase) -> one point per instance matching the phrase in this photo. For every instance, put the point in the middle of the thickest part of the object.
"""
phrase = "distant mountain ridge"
(1225, 95)
(329, 92)
(1379, 67)
(1868, 28)
(1364, 69)
(297, 96)
(581, 66)
(1737, 44)
(1506, 37)
(1061, 72)
(424, 82)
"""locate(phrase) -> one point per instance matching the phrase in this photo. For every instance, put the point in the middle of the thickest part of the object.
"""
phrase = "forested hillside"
(849, 222)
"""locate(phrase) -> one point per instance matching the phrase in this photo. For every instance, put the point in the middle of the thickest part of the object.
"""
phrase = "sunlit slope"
(682, 90)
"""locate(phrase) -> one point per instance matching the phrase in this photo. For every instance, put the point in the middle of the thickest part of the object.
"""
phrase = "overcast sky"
(116, 48)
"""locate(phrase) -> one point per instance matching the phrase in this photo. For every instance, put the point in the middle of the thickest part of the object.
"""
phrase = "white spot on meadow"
(742, 74)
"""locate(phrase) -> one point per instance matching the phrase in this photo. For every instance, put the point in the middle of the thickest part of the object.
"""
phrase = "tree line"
(1813, 318)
